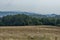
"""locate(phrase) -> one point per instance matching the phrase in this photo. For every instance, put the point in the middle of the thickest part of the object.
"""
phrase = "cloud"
(38, 6)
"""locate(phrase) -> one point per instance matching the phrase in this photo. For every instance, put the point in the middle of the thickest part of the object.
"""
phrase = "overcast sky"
(38, 6)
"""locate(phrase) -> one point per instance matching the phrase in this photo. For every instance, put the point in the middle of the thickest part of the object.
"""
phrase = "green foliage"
(22, 19)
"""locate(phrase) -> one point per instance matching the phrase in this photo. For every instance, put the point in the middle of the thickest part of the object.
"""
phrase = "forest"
(24, 20)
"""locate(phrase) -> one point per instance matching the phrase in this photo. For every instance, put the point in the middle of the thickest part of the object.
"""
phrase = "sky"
(37, 6)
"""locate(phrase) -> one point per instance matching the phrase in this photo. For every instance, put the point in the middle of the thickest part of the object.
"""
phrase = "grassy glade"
(30, 33)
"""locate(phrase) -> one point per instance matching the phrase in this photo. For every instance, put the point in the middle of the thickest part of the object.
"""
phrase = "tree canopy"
(22, 20)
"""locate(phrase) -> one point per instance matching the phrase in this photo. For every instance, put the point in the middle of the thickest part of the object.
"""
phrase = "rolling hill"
(4, 13)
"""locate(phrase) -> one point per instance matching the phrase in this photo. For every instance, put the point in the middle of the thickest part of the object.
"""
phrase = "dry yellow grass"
(29, 33)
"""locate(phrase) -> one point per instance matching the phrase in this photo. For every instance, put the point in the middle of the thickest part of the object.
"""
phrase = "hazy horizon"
(36, 6)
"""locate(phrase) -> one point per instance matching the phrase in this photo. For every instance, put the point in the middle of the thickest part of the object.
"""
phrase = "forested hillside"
(22, 20)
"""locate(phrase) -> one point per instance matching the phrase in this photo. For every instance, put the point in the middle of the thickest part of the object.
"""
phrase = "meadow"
(29, 32)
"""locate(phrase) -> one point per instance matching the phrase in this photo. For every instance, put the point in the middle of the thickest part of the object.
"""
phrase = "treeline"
(22, 20)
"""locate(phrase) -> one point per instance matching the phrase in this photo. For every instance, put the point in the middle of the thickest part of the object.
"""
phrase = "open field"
(29, 33)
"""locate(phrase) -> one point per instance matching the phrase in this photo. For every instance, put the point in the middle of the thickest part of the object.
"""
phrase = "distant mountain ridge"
(4, 13)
